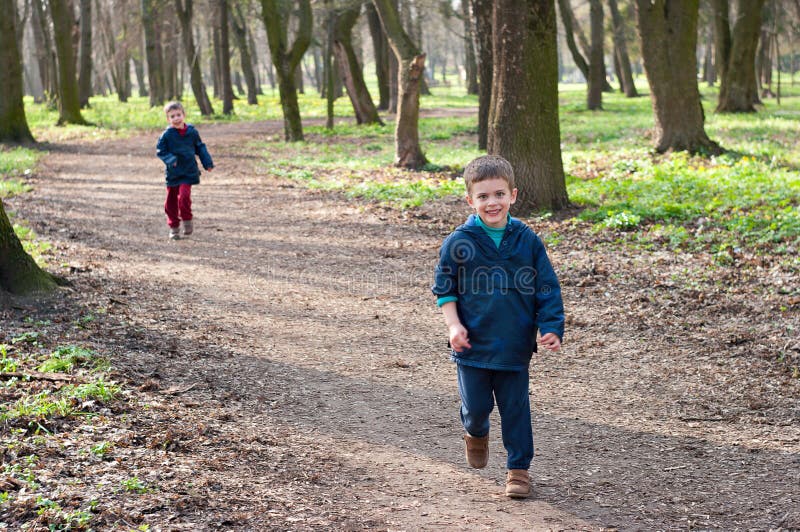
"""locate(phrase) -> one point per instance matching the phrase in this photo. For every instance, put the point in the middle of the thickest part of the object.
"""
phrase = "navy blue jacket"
(504, 294)
(181, 149)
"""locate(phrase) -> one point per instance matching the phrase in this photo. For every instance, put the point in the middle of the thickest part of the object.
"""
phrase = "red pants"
(178, 205)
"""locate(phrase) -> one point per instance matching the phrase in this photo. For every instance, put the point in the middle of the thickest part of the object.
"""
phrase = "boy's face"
(491, 199)
(176, 118)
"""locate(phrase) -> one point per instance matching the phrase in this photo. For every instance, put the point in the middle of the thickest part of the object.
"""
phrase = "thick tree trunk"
(523, 124)
(621, 51)
(350, 69)
(470, 62)
(152, 46)
(69, 106)
(185, 9)
(286, 59)
(668, 34)
(19, 273)
(738, 79)
(408, 153)
(85, 74)
(13, 124)
(482, 10)
(381, 51)
(597, 71)
(239, 27)
(225, 57)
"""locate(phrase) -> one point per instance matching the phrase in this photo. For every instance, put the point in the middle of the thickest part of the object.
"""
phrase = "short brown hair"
(173, 106)
(488, 167)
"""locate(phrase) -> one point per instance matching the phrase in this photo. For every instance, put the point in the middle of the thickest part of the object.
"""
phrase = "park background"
(140, 396)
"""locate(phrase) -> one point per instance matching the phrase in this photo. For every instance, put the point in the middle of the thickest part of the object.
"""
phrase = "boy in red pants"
(178, 146)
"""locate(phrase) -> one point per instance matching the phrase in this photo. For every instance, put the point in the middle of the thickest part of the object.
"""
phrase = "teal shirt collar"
(495, 233)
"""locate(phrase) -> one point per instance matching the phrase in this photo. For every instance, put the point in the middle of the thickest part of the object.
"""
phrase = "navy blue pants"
(479, 388)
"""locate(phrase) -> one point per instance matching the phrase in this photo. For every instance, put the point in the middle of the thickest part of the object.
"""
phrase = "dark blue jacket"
(504, 294)
(181, 149)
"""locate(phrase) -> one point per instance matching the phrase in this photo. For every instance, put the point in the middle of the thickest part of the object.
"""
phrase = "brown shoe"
(477, 451)
(518, 484)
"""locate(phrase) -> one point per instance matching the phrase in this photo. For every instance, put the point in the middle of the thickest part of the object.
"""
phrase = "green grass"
(15, 164)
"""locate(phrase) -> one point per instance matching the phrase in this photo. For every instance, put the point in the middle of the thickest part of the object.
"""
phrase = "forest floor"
(286, 367)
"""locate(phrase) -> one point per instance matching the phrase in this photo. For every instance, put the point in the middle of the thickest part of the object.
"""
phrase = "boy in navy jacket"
(178, 146)
(496, 288)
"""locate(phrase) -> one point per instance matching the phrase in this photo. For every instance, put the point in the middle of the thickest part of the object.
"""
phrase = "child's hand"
(458, 338)
(209, 169)
(550, 341)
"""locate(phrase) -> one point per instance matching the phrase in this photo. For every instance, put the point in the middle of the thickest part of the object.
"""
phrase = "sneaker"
(518, 484)
(174, 233)
(188, 227)
(477, 451)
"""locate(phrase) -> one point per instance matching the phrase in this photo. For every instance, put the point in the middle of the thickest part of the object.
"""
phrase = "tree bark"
(330, 29)
(597, 71)
(286, 59)
(621, 51)
(523, 124)
(239, 27)
(411, 66)
(350, 69)
(225, 57)
(568, 21)
(482, 10)
(738, 79)
(13, 124)
(709, 73)
(470, 62)
(155, 77)
(19, 273)
(185, 9)
(381, 51)
(85, 74)
(44, 54)
(668, 34)
(69, 106)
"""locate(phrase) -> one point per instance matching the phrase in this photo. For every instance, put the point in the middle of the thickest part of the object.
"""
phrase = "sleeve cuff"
(446, 299)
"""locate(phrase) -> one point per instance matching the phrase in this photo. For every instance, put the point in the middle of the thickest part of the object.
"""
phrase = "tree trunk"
(597, 71)
(470, 62)
(568, 21)
(254, 56)
(621, 51)
(738, 79)
(69, 106)
(19, 273)
(225, 57)
(411, 66)
(350, 69)
(169, 63)
(286, 59)
(482, 10)
(153, 54)
(523, 124)
(13, 124)
(185, 8)
(85, 75)
(668, 34)
(330, 30)
(709, 74)
(381, 51)
(239, 27)
(138, 68)
(764, 64)
(44, 55)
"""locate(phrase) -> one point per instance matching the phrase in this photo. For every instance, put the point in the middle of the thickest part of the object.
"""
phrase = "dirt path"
(295, 375)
